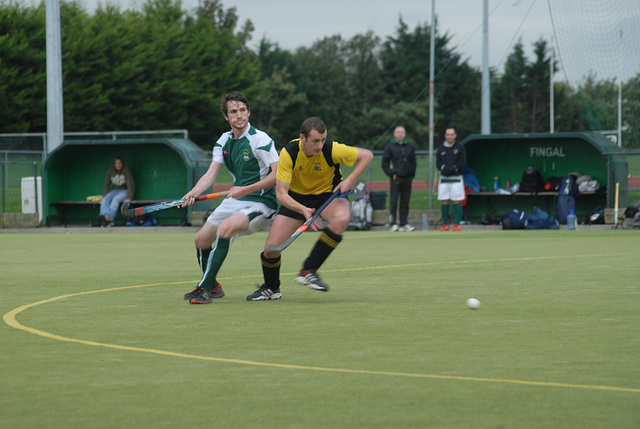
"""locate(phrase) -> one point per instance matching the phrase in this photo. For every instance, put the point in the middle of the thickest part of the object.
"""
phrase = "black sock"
(271, 271)
(327, 242)
(203, 257)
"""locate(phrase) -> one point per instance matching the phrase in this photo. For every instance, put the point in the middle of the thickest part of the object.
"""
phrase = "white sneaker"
(407, 227)
(312, 279)
(394, 228)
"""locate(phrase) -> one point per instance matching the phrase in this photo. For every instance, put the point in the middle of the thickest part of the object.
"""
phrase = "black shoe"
(203, 298)
(196, 292)
(264, 294)
(214, 293)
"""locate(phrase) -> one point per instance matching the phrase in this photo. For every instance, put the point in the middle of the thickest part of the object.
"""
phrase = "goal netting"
(598, 50)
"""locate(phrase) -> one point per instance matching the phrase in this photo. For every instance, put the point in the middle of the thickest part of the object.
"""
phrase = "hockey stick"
(126, 211)
(302, 228)
(615, 210)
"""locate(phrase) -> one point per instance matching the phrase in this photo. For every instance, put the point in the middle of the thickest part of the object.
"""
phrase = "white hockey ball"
(473, 303)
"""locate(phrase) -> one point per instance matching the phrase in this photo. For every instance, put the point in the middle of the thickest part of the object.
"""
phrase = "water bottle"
(425, 225)
(572, 220)
(496, 184)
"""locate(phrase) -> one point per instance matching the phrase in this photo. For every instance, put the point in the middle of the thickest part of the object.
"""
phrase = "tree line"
(166, 68)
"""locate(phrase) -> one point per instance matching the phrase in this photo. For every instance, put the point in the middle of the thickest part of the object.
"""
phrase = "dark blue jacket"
(451, 160)
(403, 158)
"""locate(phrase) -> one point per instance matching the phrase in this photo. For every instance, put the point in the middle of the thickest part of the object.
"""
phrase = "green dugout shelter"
(163, 169)
(506, 156)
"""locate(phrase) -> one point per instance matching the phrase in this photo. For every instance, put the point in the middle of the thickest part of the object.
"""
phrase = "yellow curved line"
(10, 319)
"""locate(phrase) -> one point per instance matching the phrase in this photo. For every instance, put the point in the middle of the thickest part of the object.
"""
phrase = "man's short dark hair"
(312, 123)
(233, 96)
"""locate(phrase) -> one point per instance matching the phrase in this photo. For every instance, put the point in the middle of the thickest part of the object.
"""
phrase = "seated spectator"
(120, 180)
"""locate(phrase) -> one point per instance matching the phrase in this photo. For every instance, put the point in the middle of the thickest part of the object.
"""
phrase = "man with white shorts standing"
(251, 157)
(451, 158)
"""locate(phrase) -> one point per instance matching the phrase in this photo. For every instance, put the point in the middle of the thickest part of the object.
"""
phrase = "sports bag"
(567, 197)
(552, 184)
(595, 217)
(565, 204)
(541, 220)
(630, 212)
(517, 219)
(569, 187)
(531, 181)
(361, 209)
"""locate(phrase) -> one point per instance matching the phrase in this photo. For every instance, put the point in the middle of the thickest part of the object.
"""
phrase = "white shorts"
(453, 191)
(231, 206)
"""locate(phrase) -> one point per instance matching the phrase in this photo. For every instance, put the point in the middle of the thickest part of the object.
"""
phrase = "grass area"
(12, 201)
(96, 333)
(375, 173)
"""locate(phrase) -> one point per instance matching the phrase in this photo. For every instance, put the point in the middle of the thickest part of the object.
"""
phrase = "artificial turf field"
(96, 333)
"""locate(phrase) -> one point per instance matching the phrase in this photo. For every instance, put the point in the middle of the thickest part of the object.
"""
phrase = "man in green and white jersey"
(251, 157)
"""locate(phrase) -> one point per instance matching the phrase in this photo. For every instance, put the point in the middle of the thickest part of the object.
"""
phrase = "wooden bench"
(549, 199)
(522, 194)
(62, 207)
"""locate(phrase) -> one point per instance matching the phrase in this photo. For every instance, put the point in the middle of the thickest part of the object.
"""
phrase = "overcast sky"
(294, 23)
(600, 37)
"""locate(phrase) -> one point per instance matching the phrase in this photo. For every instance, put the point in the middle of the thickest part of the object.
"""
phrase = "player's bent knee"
(235, 226)
(270, 254)
(338, 225)
(202, 242)
(227, 233)
(224, 231)
(205, 237)
(342, 218)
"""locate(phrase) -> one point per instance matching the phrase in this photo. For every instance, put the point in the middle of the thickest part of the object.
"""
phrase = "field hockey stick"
(302, 228)
(138, 211)
(615, 210)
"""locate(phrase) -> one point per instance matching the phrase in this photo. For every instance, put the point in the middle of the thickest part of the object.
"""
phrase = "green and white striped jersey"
(249, 160)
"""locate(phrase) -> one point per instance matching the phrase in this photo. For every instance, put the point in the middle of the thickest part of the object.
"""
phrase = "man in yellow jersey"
(308, 173)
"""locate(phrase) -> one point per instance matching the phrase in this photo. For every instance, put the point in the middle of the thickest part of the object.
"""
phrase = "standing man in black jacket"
(451, 158)
(401, 154)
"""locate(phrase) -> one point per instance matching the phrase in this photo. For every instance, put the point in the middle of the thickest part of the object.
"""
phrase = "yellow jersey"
(317, 174)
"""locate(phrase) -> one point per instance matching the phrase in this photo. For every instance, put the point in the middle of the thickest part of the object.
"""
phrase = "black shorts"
(313, 201)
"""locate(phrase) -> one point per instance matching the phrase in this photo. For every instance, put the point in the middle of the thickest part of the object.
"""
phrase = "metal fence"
(21, 182)
(633, 160)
